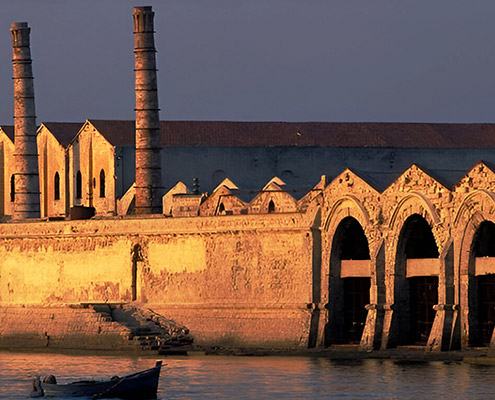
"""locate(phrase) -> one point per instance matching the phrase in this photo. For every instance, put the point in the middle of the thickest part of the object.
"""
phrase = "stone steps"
(146, 329)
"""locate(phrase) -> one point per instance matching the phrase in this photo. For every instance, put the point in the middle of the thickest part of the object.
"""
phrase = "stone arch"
(413, 216)
(469, 204)
(476, 209)
(346, 206)
(347, 269)
(413, 203)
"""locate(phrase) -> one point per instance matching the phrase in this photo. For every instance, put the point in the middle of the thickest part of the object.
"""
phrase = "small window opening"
(102, 183)
(78, 185)
(271, 207)
(56, 186)
(221, 209)
(12, 188)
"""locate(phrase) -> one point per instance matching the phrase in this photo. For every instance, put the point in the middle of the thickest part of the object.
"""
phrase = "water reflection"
(199, 377)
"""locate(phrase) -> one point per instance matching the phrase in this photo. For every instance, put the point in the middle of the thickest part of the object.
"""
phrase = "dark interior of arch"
(354, 242)
(420, 242)
(484, 240)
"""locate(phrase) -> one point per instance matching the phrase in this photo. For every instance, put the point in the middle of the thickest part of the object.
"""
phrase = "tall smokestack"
(27, 193)
(148, 164)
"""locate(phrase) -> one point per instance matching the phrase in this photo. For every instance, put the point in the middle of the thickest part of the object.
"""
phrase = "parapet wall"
(240, 279)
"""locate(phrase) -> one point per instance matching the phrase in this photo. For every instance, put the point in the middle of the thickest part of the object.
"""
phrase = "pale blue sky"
(291, 60)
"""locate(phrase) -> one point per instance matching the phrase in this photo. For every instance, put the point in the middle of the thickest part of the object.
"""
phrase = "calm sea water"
(218, 377)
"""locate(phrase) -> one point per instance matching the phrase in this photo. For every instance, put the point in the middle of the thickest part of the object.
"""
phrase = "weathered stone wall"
(246, 279)
(60, 327)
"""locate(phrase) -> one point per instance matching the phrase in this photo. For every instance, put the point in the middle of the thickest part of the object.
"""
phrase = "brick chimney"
(27, 193)
(148, 164)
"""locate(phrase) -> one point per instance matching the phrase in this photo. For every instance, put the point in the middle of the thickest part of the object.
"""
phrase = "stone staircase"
(146, 329)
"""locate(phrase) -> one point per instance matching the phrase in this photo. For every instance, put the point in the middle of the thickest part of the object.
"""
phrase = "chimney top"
(143, 19)
(143, 9)
(19, 25)
(19, 32)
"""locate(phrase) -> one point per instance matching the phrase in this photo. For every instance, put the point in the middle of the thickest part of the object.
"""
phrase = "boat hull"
(141, 385)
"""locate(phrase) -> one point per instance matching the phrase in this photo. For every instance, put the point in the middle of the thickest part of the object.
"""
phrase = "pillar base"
(373, 330)
(442, 335)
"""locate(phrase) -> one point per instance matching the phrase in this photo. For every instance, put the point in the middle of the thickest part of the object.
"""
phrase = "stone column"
(148, 147)
(27, 193)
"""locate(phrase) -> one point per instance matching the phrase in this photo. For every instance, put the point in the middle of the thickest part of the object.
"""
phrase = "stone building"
(100, 165)
(53, 139)
(7, 177)
(379, 234)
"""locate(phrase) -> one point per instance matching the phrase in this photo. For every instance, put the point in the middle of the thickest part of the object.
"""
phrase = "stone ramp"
(147, 329)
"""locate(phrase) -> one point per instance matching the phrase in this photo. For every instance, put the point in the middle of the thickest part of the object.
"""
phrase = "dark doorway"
(481, 289)
(486, 308)
(349, 284)
(356, 297)
(424, 295)
(416, 291)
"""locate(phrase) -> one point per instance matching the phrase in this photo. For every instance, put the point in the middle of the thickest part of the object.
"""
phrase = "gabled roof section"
(415, 169)
(118, 133)
(226, 183)
(482, 170)
(64, 132)
(351, 175)
(9, 131)
(274, 184)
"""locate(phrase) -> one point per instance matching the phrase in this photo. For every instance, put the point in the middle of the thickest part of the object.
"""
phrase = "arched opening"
(102, 183)
(416, 281)
(349, 285)
(271, 207)
(78, 185)
(482, 286)
(12, 188)
(56, 187)
(221, 209)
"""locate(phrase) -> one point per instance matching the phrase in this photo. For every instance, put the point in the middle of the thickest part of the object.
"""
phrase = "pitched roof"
(302, 134)
(64, 132)
(9, 131)
(327, 134)
(118, 133)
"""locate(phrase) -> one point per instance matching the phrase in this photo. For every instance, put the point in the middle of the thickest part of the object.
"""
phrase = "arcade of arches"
(408, 266)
